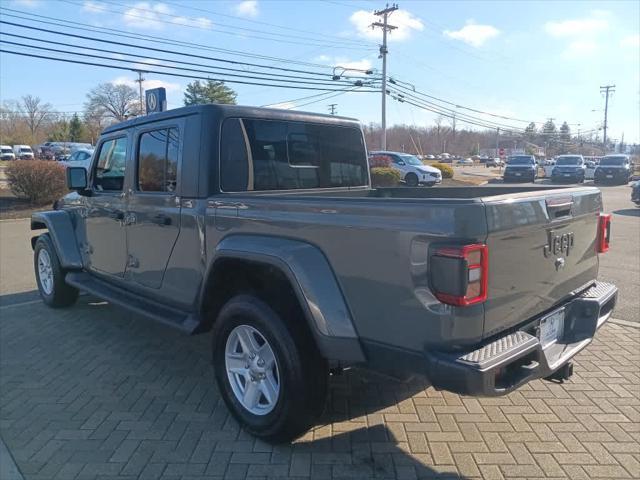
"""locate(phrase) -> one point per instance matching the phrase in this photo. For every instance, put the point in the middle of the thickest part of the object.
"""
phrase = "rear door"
(154, 204)
(542, 248)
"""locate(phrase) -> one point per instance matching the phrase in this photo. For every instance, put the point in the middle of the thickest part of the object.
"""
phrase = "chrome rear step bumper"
(504, 364)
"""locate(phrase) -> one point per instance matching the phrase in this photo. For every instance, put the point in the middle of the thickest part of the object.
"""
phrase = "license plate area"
(551, 328)
(567, 174)
(609, 176)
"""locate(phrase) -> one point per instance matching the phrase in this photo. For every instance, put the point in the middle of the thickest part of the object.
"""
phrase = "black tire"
(60, 295)
(411, 180)
(303, 374)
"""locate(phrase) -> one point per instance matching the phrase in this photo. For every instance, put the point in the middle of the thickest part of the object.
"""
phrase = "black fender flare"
(62, 234)
(314, 283)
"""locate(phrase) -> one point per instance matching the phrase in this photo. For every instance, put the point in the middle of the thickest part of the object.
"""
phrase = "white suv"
(413, 172)
(6, 153)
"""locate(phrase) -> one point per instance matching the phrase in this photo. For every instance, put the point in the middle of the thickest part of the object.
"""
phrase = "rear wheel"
(268, 369)
(50, 275)
(411, 179)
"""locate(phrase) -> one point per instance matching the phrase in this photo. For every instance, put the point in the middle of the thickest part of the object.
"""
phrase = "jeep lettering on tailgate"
(558, 244)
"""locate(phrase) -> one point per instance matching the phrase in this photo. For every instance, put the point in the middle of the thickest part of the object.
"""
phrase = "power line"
(260, 22)
(197, 24)
(280, 77)
(42, 19)
(79, 62)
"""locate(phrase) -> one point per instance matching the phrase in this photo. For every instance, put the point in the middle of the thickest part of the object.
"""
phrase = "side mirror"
(77, 179)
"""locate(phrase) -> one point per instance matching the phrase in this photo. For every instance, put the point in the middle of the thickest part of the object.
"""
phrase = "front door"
(106, 210)
(154, 205)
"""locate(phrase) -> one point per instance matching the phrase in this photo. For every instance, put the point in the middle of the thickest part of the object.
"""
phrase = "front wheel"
(268, 370)
(411, 179)
(50, 276)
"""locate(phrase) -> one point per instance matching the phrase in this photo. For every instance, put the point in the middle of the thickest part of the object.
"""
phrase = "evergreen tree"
(198, 92)
(75, 128)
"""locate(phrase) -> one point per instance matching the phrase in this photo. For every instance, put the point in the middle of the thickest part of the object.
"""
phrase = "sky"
(527, 61)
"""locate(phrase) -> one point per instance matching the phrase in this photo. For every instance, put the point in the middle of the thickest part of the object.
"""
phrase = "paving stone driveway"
(96, 392)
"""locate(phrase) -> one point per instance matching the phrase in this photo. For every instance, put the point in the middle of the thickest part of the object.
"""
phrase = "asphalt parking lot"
(94, 392)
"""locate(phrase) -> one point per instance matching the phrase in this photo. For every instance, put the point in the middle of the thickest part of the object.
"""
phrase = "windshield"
(613, 161)
(6, 150)
(25, 149)
(520, 161)
(411, 160)
(569, 161)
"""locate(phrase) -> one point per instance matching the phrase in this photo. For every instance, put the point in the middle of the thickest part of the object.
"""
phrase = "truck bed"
(368, 235)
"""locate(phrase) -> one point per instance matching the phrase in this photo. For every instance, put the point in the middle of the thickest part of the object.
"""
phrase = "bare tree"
(35, 113)
(114, 101)
(95, 121)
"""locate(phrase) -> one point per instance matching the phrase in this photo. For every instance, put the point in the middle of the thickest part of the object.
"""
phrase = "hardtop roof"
(225, 111)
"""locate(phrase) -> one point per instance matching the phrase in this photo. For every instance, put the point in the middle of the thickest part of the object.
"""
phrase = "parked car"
(494, 162)
(465, 162)
(522, 168)
(635, 192)
(268, 234)
(614, 169)
(80, 158)
(412, 171)
(571, 168)
(6, 153)
(23, 152)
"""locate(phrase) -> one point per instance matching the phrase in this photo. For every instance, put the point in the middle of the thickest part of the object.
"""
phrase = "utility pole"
(332, 108)
(383, 54)
(497, 142)
(139, 82)
(606, 90)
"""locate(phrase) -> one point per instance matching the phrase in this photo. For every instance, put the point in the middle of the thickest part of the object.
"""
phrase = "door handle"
(161, 219)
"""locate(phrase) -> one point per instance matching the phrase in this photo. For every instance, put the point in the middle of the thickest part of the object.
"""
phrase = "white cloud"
(154, 17)
(473, 34)
(93, 7)
(247, 8)
(147, 84)
(632, 41)
(580, 48)
(597, 22)
(405, 21)
(570, 28)
(581, 33)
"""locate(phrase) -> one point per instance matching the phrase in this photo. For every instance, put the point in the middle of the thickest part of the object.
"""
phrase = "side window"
(234, 159)
(109, 170)
(158, 160)
(263, 155)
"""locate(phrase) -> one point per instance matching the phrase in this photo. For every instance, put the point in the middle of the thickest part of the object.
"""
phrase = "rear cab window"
(262, 155)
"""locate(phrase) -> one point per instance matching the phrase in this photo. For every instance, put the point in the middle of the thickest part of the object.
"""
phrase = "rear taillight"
(459, 274)
(604, 232)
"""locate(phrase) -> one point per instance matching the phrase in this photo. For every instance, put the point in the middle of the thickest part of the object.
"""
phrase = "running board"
(132, 301)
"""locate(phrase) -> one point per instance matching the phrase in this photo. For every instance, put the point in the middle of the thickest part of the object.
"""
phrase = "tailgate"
(542, 248)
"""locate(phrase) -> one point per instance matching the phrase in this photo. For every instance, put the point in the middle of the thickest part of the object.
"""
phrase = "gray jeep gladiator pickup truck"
(261, 225)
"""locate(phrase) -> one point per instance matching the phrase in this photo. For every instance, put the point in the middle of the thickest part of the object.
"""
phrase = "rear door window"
(158, 160)
(278, 155)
